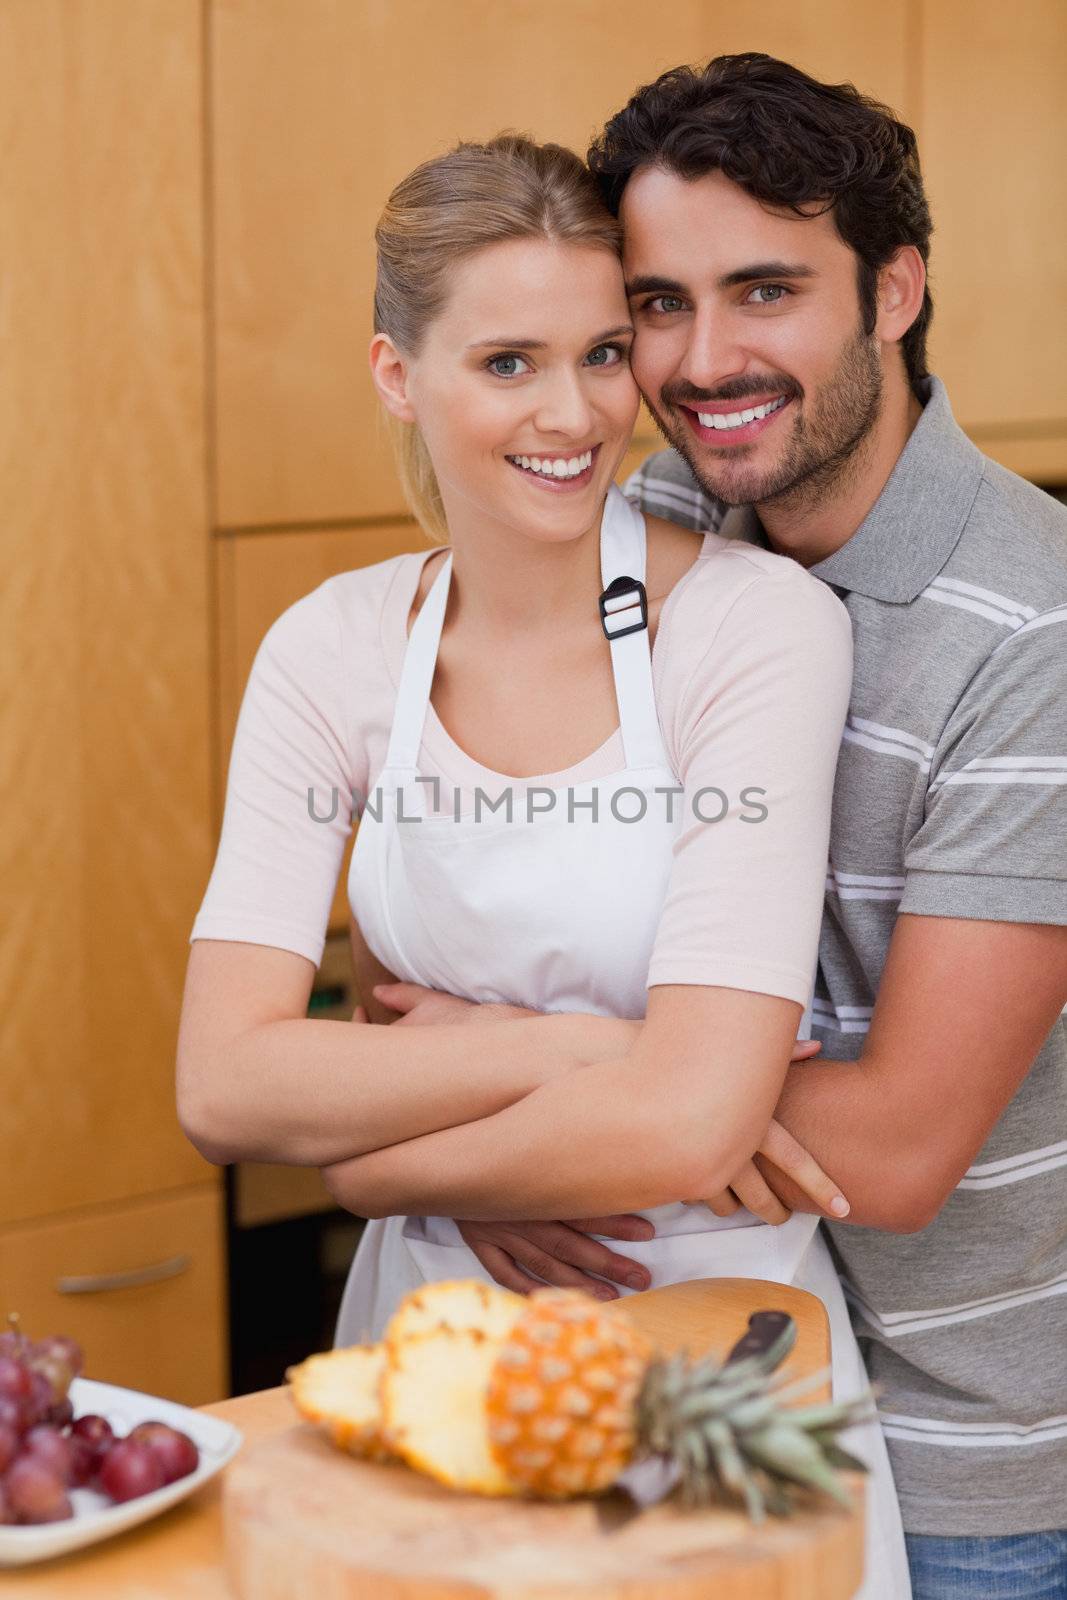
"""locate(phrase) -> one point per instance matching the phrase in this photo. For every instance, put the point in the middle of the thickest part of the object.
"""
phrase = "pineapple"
(552, 1395)
(340, 1391)
(562, 1394)
(576, 1397)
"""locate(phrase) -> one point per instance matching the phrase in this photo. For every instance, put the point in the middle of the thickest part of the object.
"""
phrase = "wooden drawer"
(140, 1287)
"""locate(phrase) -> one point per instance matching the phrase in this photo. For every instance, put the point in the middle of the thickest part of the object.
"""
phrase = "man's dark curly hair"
(788, 141)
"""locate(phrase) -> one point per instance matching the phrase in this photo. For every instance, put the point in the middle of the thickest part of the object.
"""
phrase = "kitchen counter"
(179, 1555)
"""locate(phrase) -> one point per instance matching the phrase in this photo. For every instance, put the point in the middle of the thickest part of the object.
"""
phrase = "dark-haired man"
(776, 247)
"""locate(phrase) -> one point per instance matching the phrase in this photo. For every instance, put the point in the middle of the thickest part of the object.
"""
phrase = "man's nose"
(563, 407)
(713, 353)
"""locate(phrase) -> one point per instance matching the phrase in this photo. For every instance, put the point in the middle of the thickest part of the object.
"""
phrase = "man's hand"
(559, 1253)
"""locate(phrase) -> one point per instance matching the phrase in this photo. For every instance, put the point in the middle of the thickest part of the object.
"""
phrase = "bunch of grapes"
(45, 1450)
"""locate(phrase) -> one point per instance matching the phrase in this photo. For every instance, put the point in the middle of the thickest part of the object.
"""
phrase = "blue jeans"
(1014, 1566)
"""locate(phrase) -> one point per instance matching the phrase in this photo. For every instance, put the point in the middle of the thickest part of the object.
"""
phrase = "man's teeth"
(559, 468)
(737, 419)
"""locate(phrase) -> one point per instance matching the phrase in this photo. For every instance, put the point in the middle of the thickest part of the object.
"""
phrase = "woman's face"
(523, 390)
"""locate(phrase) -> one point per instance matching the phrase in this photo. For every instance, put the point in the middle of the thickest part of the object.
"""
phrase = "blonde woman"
(594, 755)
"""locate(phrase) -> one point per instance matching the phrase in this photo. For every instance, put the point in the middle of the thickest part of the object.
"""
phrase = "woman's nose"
(564, 408)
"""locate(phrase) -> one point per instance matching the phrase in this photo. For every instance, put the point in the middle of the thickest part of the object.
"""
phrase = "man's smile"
(722, 423)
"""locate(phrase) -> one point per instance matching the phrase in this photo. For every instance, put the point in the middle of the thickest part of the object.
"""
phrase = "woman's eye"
(507, 366)
(667, 303)
(605, 355)
(768, 294)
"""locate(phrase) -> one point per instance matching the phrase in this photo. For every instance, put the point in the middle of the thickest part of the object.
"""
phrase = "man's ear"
(389, 370)
(901, 285)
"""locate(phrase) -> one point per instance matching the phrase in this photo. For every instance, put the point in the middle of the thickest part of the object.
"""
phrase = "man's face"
(749, 347)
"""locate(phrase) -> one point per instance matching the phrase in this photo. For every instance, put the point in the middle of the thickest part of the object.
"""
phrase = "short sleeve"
(992, 845)
(757, 733)
(664, 486)
(289, 794)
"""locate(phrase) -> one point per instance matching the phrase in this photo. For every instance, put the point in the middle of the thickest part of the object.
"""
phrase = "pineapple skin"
(561, 1404)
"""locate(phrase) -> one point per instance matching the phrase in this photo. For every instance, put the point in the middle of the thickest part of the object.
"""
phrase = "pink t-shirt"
(751, 665)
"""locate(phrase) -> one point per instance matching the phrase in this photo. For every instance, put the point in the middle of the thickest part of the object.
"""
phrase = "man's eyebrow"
(649, 284)
(760, 270)
(539, 344)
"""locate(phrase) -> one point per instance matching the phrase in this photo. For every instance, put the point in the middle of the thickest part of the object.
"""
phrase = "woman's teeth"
(560, 468)
(737, 419)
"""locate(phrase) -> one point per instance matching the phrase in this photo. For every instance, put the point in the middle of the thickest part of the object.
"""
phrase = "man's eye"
(605, 355)
(507, 366)
(667, 303)
(768, 294)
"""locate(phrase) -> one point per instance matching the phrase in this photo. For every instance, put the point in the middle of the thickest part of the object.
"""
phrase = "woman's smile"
(557, 472)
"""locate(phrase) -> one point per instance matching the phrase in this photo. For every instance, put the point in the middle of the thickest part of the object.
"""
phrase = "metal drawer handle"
(101, 1282)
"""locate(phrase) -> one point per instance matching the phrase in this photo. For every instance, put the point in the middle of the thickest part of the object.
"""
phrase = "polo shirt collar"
(914, 525)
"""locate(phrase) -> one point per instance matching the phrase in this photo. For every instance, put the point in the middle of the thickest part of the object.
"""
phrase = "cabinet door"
(104, 709)
(993, 133)
(140, 1287)
(319, 108)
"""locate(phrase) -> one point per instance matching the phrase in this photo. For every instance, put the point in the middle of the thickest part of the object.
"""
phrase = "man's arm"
(963, 1009)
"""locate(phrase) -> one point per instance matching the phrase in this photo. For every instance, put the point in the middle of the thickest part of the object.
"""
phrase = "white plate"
(95, 1516)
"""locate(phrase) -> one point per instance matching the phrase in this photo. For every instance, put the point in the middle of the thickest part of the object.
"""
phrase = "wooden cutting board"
(304, 1522)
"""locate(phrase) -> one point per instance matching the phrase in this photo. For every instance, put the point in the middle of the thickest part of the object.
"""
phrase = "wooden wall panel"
(104, 718)
(320, 106)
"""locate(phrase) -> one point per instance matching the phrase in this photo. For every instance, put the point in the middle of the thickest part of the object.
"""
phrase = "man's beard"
(821, 451)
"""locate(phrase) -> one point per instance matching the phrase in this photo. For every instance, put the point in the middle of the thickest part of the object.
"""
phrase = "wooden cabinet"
(140, 1287)
(318, 108)
(105, 713)
(993, 131)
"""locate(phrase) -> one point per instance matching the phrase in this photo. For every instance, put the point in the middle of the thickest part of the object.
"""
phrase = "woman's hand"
(558, 1252)
(418, 1005)
(750, 1188)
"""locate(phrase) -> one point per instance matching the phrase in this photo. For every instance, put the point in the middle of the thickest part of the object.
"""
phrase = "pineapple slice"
(340, 1391)
(433, 1402)
(459, 1304)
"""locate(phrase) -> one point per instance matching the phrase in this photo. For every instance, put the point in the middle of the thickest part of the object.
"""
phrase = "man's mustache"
(742, 389)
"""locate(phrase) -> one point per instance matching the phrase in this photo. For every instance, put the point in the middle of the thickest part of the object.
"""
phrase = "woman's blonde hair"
(447, 209)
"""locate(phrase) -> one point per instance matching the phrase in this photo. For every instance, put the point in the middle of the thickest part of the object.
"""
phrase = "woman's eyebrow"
(539, 344)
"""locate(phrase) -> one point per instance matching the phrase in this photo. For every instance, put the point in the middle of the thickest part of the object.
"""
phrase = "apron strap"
(416, 677)
(622, 555)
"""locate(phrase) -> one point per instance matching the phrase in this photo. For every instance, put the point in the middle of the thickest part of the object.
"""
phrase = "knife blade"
(651, 1479)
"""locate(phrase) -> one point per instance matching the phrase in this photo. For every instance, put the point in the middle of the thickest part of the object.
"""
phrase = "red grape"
(15, 1379)
(7, 1510)
(51, 1447)
(9, 1444)
(57, 1371)
(83, 1461)
(130, 1469)
(59, 1348)
(40, 1401)
(13, 1414)
(175, 1451)
(61, 1413)
(35, 1492)
(96, 1430)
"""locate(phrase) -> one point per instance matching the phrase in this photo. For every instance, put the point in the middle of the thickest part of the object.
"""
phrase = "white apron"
(559, 911)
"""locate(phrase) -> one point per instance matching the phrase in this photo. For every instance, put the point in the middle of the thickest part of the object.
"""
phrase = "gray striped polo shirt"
(950, 800)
